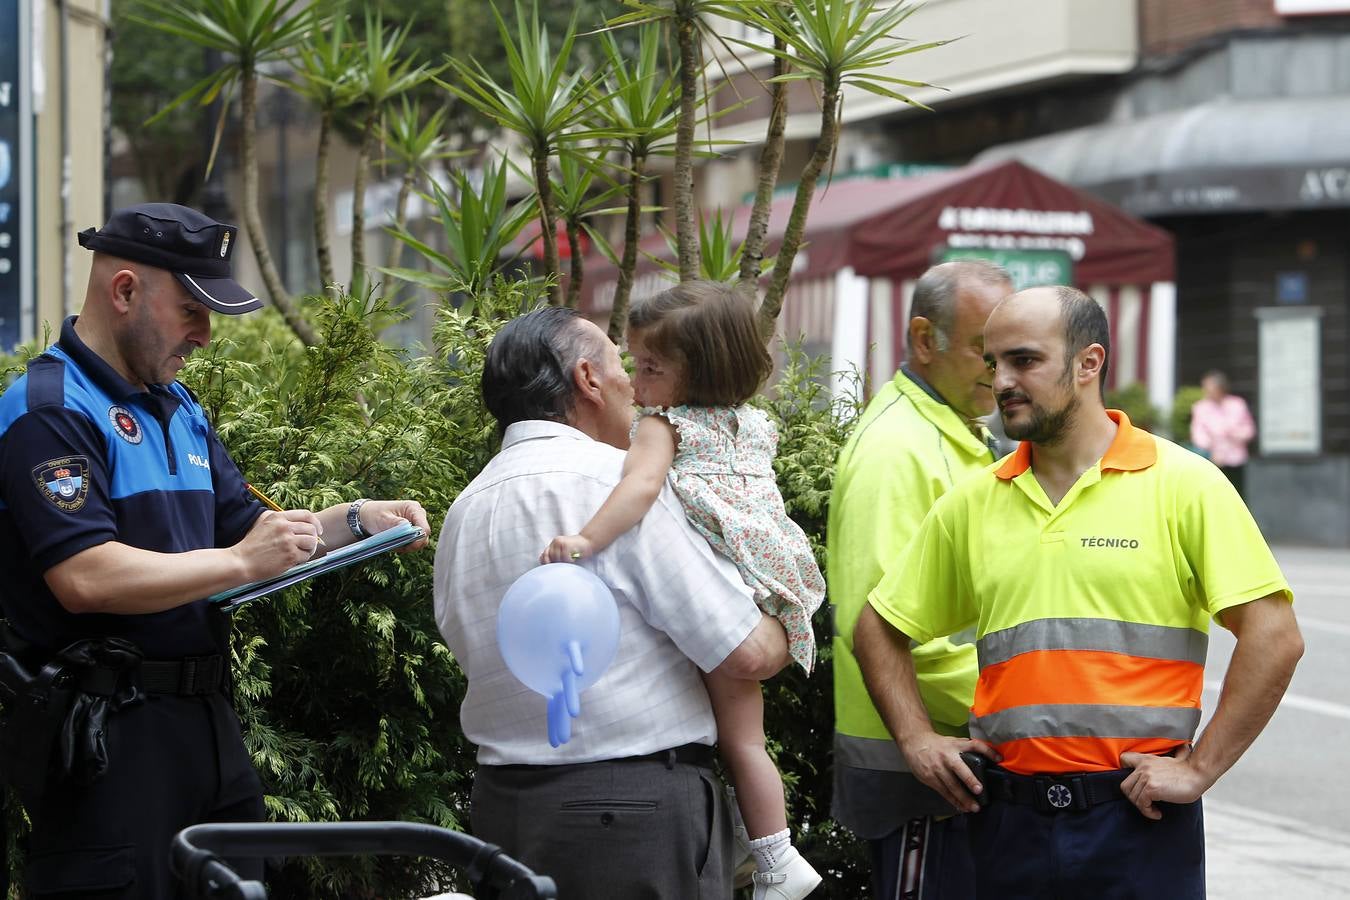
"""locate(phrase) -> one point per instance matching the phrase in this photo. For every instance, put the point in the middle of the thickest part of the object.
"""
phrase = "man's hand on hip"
(1162, 779)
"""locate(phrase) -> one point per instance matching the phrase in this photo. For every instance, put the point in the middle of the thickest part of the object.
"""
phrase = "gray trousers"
(627, 830)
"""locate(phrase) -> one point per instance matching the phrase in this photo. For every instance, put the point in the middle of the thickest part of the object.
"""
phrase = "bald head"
(1080, 320)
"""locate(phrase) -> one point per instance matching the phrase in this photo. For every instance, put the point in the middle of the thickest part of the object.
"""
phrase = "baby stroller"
(197, 854)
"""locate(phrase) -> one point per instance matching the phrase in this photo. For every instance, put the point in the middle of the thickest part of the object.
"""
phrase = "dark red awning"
(892, 228)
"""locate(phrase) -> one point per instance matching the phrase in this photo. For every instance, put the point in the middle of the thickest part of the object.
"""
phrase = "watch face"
(354, 519)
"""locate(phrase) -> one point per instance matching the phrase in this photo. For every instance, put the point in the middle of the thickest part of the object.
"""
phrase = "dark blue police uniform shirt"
(87, 458)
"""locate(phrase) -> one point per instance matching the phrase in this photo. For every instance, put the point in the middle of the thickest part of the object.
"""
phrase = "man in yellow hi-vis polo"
(1090, 563)
(916, 439)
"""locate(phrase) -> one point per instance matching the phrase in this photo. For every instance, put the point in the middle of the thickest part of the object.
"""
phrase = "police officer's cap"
(194, 247)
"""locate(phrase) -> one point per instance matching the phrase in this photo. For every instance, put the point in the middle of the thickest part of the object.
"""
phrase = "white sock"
(769, 850)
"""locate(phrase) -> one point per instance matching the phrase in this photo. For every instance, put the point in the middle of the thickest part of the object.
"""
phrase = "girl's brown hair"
(709, 330)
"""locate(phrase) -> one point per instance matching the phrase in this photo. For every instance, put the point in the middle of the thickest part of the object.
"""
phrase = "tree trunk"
(547, 234)
(686, 229)
(577, 274)
(618, 315)
(400, 223)
(792, 235)
(770, 159)
(253, 221)
(322, 248)
(358, 279)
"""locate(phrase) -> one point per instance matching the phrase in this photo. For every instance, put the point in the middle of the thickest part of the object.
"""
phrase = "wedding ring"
(576, 554)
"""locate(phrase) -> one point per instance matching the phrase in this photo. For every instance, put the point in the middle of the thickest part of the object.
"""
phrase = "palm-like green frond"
(384, 72)
(479, 226)
(544, 102)
(642, 97)
(839, 42)
(719, 252)
(416, 143)
(326, 64)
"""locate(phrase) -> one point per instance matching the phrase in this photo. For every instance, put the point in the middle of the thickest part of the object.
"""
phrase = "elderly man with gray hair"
(631, 805)
(918, 437)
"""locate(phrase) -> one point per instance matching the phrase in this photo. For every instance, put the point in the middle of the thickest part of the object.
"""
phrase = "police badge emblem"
(125, 424)
(64, 482)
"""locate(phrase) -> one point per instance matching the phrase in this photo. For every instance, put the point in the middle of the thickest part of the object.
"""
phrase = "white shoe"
(792, 878)
(743, 860)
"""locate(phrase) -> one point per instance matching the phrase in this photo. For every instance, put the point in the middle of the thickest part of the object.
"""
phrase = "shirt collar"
(93, 365)
(923, 384)
(945, 417)
(534, 429)
(1132, 449)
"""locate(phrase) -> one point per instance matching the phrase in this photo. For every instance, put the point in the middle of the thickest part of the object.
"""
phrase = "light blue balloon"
(558, 630)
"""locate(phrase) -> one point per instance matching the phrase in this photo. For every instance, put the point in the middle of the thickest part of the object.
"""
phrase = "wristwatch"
(354, 518)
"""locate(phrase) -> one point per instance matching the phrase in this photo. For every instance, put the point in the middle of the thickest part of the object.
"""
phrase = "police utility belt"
(54, 708)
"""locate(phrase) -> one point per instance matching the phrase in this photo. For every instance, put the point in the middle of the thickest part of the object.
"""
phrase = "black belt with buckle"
(194, 676)
(701, 755)
(689, 754)
(1056, 793)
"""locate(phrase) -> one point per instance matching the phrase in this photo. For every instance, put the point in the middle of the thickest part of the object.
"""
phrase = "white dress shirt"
(681, 607)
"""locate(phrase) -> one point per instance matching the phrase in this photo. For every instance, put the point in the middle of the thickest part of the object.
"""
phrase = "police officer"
(120, 511)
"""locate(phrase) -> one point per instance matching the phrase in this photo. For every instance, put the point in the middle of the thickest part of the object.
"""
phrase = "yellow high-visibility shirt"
(907, 450)
(1092, 615)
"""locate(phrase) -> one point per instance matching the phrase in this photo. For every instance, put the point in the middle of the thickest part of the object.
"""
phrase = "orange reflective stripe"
(1033, 756)
(1087, 676)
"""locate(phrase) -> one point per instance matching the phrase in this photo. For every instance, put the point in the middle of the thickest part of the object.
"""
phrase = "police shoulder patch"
(64, 482)
(125, 424)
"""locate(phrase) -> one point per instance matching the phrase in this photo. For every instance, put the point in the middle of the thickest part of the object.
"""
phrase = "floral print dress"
(723, 475)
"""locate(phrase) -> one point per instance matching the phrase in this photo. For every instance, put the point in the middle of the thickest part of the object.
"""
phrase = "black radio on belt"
(979, 765)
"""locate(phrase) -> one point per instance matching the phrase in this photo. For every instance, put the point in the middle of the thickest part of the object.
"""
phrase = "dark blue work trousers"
(946, 871)
(1107, 852)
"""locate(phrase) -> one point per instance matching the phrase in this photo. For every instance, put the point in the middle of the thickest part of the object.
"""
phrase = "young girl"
(698, 358)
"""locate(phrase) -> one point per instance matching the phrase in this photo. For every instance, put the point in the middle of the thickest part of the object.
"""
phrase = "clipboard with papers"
(390, 539)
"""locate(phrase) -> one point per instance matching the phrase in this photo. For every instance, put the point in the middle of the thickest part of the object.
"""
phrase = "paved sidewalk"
(1278, 825)
(1257, 856)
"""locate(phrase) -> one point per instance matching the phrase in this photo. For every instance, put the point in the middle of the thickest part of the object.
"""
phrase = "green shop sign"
(1028, 268)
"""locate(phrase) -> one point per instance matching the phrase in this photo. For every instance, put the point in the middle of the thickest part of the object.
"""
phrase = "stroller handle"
(196, 854)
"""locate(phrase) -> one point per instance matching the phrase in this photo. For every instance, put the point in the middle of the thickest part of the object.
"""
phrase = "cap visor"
(224, 295)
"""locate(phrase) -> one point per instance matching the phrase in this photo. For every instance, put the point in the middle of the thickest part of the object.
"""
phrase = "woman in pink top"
(1222, 426)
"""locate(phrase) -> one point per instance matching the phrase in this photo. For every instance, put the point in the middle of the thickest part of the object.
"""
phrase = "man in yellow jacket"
(917, 438)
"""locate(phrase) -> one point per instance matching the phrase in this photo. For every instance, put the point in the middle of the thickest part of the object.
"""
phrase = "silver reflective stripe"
(868, 753)
(964, 636)
(1089, 720)
(1129, 638)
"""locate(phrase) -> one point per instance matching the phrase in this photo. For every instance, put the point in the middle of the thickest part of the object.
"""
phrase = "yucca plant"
(690, 20)
(382, 75)
(581, 191)
(251, 34)
(479, 227)
(414, 144)
(835, 43)
(548, 106)
(720, 254)
(770, 161)
(642, 100)
(325, 66)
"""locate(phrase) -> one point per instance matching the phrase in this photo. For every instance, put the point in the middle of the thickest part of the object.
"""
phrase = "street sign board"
(1028, 268)
(14, 152)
